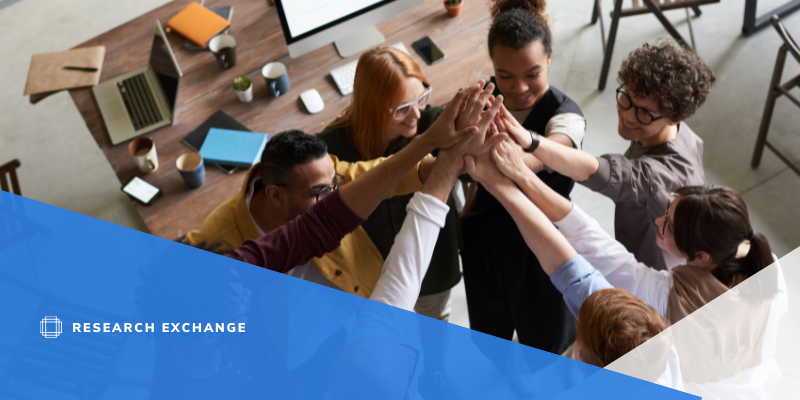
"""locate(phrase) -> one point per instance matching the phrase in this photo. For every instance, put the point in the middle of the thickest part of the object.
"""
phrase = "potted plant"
(244, 88)
(453, 7)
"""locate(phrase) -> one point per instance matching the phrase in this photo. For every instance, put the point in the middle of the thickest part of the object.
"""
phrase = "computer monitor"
(310, 24)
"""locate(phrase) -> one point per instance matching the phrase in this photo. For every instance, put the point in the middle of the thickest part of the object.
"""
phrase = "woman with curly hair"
(660, 86)
(504, 283)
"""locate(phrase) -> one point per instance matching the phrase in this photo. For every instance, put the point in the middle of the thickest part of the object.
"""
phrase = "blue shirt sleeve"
(577, 280)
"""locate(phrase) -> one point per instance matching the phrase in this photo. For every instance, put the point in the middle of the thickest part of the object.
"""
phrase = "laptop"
(142, 100)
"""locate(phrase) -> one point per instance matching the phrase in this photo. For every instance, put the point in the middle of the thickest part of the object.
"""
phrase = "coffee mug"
(192, 169)
(224, 49)
(143, 151)
(277, 78)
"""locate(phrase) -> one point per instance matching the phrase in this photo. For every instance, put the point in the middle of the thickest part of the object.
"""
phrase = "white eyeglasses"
(404, 109)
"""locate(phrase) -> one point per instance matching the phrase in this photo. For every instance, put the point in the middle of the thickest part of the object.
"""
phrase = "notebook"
(219, 119)
(224, 12)
(198, 24)
(233, 148)
(47, 74)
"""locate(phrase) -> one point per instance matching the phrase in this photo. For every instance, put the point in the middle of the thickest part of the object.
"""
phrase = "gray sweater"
(640, 181)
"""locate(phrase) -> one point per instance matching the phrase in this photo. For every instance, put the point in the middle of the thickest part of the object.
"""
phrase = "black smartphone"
(428, 50)
(142, 191)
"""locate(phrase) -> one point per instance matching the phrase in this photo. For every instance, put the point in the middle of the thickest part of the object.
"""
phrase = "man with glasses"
(661, 86)
(294, 173)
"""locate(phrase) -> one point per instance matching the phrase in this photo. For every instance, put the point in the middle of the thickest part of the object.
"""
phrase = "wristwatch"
(534, 142)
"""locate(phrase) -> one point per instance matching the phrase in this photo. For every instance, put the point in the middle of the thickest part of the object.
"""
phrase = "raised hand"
(484, 170)
(443, 133)
(472, 112)
(508, 157)
(506, 123)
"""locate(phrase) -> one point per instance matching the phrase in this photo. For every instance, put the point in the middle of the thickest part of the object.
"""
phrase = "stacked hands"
(479, 136)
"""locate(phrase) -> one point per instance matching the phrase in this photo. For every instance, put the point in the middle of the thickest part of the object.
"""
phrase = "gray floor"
(62, 165)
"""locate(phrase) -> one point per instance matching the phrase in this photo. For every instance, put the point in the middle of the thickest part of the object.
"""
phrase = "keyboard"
(344, 77)
(346, 74)
(139, 101)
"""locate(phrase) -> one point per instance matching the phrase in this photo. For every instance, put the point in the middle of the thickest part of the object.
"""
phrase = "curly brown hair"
(675, 76)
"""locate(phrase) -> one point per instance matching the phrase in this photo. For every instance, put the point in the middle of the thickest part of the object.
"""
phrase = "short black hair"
(518, 23)
(286, 150)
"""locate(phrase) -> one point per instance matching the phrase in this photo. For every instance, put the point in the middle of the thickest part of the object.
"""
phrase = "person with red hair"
(390, 107)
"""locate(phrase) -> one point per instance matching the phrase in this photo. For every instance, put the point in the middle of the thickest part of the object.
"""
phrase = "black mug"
(224, 49)
(277, 78)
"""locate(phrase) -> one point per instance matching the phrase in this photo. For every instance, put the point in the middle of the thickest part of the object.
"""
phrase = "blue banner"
(92, 310)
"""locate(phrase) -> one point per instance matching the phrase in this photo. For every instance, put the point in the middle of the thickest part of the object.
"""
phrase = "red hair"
(379, 87)
(613, 322)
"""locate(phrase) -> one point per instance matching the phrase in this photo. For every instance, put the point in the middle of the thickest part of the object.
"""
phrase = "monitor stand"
(358, 42)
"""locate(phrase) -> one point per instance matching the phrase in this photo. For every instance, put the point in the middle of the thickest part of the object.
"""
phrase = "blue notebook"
(233, 148)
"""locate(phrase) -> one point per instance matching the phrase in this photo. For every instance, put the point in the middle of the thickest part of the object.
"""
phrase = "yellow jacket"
(354, 267)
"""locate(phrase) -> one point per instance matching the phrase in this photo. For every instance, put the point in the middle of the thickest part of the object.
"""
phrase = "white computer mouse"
(312, 100)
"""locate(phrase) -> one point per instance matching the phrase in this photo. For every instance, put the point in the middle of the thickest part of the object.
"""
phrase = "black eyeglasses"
(642, 115)
(672, 197)
(318, 194)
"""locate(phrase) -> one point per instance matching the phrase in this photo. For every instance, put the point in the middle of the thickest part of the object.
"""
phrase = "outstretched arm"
(557, 153)
(320, 229)
(410, 257)
(569, 272)
(585, 235)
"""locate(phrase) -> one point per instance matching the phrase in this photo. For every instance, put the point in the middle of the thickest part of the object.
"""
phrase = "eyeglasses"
(642, 115)
(667, 221)
(318, 194)
(405, 109)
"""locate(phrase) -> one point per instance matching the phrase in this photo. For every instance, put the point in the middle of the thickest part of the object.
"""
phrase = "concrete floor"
(62, 165)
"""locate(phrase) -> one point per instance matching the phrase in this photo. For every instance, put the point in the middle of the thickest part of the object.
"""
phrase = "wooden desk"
(205, 88)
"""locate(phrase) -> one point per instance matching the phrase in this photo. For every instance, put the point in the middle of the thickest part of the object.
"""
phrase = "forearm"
(552, 204)
(442, 178)
(544, 240)
(314, 233)
(408, 261)
(364, 194)
(576, 164)
(533, 163)
(425, 168)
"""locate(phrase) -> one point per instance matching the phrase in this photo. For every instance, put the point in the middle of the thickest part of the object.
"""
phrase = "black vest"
(553, 103)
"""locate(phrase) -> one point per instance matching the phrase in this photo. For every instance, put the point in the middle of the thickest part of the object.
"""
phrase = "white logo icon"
(50, 327)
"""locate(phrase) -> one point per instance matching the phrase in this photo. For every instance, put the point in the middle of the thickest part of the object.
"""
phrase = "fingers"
(493, 141)
(465, 134)
(459, 101)
(490, 114)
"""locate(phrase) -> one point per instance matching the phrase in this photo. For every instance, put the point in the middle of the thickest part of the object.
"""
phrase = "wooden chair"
(776, 89)
(10, 169)
(638, 7)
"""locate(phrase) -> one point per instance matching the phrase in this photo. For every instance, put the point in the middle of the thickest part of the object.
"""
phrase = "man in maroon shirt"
(320, 229)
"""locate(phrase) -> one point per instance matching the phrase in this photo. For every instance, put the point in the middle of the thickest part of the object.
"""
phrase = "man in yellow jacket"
(295, 170)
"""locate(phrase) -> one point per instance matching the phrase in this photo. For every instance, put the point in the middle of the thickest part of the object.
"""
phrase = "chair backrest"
(788, 40)
(10, 169)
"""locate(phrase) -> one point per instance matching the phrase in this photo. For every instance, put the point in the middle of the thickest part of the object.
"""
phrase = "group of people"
(367, 205)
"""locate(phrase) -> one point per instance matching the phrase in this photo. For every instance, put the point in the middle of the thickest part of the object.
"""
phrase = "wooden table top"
(205, 88)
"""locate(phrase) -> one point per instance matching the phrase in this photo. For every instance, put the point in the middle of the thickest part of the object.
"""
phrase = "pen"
(87, 69)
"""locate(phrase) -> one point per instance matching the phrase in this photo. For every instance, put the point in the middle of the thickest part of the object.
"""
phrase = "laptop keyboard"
(139, 101)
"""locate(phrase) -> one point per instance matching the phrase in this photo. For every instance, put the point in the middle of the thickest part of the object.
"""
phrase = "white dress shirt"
(408, 261)
(614, 261)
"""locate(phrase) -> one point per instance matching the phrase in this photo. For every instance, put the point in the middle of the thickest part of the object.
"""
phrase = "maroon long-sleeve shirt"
(318, 231)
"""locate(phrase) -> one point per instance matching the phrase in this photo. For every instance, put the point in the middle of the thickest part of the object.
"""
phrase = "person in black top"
(505, 286)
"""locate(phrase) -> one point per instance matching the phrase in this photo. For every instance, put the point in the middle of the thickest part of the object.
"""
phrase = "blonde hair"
(379, 87)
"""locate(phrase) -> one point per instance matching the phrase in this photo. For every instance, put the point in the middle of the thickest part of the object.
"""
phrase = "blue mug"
(192, 169)
(277, 78)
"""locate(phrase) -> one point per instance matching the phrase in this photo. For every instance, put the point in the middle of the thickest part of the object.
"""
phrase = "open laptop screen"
(165, 66)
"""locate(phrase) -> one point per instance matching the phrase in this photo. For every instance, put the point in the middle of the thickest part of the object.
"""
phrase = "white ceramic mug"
(143, 151)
